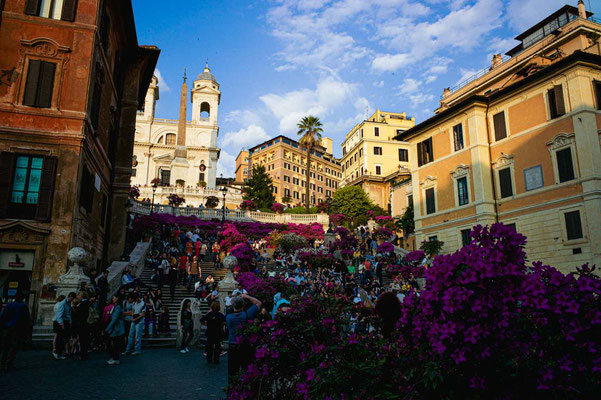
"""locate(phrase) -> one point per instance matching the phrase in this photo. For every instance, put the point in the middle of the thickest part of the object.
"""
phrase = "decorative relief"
(460, 171)
(560, 140)
(44, 47)
(503, 160)
(428, 181)
(22, 232)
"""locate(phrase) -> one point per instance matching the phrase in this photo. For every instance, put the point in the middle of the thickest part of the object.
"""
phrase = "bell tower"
(205, 99)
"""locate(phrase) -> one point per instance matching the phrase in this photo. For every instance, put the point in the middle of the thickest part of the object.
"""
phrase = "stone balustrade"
(232, 215)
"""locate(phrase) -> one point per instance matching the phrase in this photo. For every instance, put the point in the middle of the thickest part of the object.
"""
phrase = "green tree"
(259, 188)
(406, 222)
(310, 130)
(352, 202)
(212, 202)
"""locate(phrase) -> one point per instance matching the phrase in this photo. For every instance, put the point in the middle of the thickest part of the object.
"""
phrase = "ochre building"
(72, 76)
(285, 161)
(518, 144)
(372, 159)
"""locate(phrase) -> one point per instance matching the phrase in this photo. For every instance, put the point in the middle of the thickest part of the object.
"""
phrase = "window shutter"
(573, 225)
(7, 164)
(565, 166)
(420, 155)
(505, 183)
(597, 86)
(46, 194)
(69, 7)
(560, 107)
(500, 128)
(31, 84)
(46, 84)
(32, 7)
(430, 203)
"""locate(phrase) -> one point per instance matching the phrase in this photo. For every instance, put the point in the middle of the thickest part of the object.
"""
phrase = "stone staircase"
(174, 304)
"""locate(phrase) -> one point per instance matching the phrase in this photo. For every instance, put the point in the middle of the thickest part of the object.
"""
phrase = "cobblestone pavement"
(155, 374)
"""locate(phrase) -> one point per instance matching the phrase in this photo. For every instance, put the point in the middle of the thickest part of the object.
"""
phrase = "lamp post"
(329, 203)
(154, 189)
(224, 191)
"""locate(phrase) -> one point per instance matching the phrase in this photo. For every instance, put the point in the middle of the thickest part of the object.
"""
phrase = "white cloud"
(412, 90)
(290, 107)
(465, 75)
(522, 14)
(379, 84)
(245, 137)
(409, 86)
(414, 41)
(162, 83)
(243, 117)
(226, 165)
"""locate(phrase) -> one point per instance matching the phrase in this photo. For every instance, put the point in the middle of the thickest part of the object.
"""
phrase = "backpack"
(93, 316)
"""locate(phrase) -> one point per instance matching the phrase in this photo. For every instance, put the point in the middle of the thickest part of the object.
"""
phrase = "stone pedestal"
(228, 284)
(71, 281)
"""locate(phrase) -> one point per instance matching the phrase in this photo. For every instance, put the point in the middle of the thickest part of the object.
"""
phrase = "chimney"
(446, 93)
(581, 9)
(497, 60)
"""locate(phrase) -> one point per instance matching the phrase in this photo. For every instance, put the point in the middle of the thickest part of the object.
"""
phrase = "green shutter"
(46, 193)
(7, 163)
(46, 84)
(32, 7)
(69, 7)
(560, 107)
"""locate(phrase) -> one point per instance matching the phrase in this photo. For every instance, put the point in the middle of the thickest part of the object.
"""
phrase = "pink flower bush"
(248, 205)
(231, 237)
(277, 208)
(385, 248)
(244, 254)
(134, 192)
(415, 256)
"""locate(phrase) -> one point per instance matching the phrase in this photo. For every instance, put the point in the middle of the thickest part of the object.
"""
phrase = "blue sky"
(278, 60)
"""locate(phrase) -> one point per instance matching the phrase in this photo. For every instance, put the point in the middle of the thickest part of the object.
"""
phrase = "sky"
(279, 60)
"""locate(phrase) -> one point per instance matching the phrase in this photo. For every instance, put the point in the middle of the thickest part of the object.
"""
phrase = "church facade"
(182, 154)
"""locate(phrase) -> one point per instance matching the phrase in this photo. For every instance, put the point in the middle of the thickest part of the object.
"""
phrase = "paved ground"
(156, 374)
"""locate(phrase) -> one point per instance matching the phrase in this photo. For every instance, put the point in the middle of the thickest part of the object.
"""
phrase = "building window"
(86, 190)
(55, 9)
(133, 172)
(430, 201)
(377, 151)
(403, 155)
(201, 176)
(378, 169)
(565, 165)
(557, 106)
(505, 182)
(462, 191)
(27, 179)
(597, 89)
(286, 192)
(275, 189)
(573, 225)
(410, 200)
(360, 152)
(465, 237)
(458, 137)
(170, 139)
(376, 131)
(165, 177)
(425, 152)
(512, 225)
(500, 126)
(39, 84)
(296, 195)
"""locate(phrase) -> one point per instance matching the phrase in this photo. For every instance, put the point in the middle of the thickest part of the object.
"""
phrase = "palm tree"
(310, 129)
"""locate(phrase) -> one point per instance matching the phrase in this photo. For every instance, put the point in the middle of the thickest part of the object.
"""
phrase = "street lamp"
(154, 189)
(224, 191)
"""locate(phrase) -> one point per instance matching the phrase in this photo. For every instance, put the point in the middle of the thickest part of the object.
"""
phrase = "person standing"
(137, 327)
(116, 331)
(172, 277)
(15, 324)
(193, 272)
(186, 326)
(215, 322)
(238, 357)
(62, 325)
(80, 323)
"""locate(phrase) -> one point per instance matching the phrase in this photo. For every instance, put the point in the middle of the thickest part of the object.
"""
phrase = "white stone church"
(182, 154)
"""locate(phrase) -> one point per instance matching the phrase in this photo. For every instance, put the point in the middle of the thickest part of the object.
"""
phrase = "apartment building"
(519, 144)
(76, 76)
(285, 161)
(242, 166)
(372, 159)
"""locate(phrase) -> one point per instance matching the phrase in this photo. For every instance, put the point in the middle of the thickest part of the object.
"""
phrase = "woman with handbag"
(116, 331)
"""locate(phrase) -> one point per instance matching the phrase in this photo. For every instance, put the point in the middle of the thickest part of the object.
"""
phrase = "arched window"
(170, 139)
(205, 110)
(161, 139)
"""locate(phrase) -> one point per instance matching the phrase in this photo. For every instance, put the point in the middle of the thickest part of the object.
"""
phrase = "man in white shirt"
(137, 326)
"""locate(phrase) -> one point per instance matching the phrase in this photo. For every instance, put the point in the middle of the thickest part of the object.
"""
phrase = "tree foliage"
(352, 201)
(310, 130)
(258, 188)
(212, 202)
